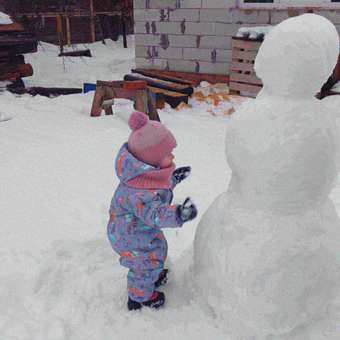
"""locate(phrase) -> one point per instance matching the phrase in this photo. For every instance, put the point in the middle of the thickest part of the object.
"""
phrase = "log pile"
(14, 43)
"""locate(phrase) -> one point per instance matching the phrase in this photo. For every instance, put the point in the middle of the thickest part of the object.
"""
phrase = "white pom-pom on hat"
(137, 120)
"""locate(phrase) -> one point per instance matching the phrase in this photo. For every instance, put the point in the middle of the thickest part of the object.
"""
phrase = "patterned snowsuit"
(134, 229)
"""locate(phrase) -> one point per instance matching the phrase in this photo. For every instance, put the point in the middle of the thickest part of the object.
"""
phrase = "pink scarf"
(154, 179)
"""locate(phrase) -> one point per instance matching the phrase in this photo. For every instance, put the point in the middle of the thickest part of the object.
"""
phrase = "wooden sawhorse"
(138, 91)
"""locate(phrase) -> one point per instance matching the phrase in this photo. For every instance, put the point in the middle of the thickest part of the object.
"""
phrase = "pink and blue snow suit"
(134, 229)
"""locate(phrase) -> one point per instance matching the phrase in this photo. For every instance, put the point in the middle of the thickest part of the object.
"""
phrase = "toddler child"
(141, 207)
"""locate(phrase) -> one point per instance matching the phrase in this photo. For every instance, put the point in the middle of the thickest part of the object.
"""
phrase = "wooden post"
(60, 32)
(92, 23)
(141, 101)
(97, 101)
(152, 106)
(124, 31)
(68, 31)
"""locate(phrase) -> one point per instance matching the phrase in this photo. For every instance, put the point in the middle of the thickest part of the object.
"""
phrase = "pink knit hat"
(149, 141)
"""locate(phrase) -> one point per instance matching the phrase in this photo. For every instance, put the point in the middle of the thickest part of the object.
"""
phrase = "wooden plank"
(117, 83)
(192, 77)
(249, 89)
(245, 45)
(92, 22)
(166, 85)
(135, 85)
(245, 55)
(10, 40)
(12, 60)
(11, 27)
(159, 75)
(170, 97)
(79, 53)
(244, 67)
(53, 91)
(60, 33)
(74, 14)
(68, 31)
(245, 78)
(167, 92)
(97, 101)
(18, 49)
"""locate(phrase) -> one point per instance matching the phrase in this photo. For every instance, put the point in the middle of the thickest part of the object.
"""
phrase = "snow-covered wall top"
(195, 35)
(5, 19)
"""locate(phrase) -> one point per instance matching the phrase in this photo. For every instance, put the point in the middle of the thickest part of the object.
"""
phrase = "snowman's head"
(298, 56)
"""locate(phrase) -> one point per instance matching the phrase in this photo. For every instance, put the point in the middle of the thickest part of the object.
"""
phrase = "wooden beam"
(68, 31)
(60, 33)
(11, 27)
(162, 84)
(18, 49)
(172, 98)
(92, 23)
(79, 53)
(159, 75)
(55, 14)
(192, 77)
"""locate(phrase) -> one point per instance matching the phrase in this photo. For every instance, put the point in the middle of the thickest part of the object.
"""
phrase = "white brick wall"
(195, 35)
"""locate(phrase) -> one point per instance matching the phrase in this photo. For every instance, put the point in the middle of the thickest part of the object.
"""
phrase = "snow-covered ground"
(59, 278)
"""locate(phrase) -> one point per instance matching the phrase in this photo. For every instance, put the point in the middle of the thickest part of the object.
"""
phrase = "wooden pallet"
(243, 79)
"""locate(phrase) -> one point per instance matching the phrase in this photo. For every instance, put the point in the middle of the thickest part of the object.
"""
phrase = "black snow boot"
(162, 278)
(157, 300)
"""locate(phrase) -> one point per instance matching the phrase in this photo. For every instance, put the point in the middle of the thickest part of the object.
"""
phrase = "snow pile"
(255, 33)
(110, 62)
(5, 112)
(5, 19)
(267, 258)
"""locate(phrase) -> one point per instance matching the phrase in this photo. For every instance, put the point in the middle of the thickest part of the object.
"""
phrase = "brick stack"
(14, 43)
(189, 35)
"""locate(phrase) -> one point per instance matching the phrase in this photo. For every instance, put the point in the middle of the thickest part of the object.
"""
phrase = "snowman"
(267, 251)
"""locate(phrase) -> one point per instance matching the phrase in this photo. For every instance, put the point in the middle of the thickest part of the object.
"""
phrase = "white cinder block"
(182, 65)
(207, 28)
(158, 64)
(170, 53)
(216, 42)
(184, 14)
(200, 54)
(168, 27)
(147, 39)
(182, 40)
(190, 3)
(218, 3)
(216, 15)
(147, 15)
(214, 68)
(163, 3)
(138, 4)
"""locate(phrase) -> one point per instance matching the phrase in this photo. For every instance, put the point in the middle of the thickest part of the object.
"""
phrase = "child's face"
(167, 161)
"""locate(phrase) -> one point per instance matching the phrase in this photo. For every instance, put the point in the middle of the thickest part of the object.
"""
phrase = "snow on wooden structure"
(14, 43)
(72, 21)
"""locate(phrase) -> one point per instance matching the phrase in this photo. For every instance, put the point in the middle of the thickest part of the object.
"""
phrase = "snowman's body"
(267, 252)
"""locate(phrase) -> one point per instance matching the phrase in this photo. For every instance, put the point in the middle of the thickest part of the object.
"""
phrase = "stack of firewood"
(14, 43)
